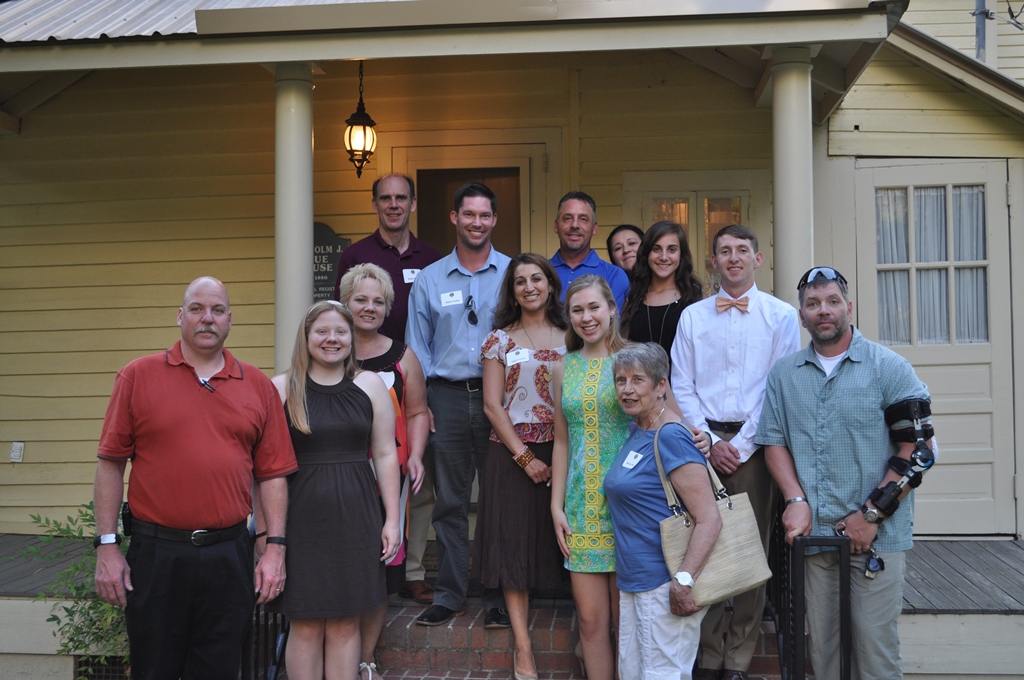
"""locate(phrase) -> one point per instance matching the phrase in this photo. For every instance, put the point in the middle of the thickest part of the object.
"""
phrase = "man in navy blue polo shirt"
(576, 226)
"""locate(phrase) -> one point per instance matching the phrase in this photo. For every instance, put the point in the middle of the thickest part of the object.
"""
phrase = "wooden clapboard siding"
(900, 109)
(133, 182)
(1010, 48)
(948, 20)
(656, 110)
(115, 195)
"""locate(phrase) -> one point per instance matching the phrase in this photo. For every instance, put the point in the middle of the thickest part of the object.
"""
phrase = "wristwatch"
(871, 515)
(106, 539)
(683, 578)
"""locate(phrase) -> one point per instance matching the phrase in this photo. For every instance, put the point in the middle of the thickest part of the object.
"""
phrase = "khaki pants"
(875, 606)
(421, 507)
(731, 647)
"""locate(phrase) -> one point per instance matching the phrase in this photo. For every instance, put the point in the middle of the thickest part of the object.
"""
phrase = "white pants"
(654, 643)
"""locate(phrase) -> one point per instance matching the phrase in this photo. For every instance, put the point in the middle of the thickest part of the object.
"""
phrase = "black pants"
(191, 608)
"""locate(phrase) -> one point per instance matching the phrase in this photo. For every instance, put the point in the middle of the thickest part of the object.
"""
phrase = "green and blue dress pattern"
(597, 430)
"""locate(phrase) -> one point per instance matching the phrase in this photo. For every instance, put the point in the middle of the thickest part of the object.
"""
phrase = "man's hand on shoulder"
(113, 575)
(270, 577)
(724, 457)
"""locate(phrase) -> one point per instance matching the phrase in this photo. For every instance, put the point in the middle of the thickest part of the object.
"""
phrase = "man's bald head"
(205, 282)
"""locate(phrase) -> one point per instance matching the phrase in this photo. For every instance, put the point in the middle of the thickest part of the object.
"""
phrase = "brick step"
(464, 650)
(463, 644)
(422, 674)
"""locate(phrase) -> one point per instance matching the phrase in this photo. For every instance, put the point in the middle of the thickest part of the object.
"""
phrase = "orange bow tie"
(724, 303)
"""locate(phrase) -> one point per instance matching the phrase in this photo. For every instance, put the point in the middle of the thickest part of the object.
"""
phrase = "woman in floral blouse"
(515, 546)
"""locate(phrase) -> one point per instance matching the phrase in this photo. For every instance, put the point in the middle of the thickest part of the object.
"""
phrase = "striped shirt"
(835, 429)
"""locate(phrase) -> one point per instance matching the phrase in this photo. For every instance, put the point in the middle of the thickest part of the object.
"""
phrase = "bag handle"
(671, 497)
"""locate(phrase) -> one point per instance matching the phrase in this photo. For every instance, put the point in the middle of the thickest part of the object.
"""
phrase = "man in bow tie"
(724, 349)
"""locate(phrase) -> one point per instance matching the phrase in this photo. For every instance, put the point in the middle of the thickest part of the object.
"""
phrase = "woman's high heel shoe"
(579, 655)
(517, 674)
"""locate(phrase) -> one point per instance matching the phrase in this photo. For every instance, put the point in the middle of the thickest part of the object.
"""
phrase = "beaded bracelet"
(523, 459)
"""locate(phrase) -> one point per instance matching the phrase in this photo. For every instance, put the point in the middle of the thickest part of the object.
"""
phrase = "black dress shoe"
(729, 674)
(438, 615)
(497, 618)
(707, 674)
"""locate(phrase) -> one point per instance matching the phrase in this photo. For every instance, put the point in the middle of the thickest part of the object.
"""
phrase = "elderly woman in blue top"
(659, 626)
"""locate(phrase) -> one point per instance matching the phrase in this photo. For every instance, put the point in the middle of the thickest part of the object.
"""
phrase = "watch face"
(684, 579)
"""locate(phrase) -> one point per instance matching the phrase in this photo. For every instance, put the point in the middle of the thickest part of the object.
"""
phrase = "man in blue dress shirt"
(576, 226)
(451, 312)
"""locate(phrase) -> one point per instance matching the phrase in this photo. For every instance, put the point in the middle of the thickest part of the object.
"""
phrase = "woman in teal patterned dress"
(590, 428)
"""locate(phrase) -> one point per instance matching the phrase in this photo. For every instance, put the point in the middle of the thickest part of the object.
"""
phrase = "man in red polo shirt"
(198, 426)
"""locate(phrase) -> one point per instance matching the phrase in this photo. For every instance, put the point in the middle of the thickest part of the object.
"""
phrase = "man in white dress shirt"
(725, 346)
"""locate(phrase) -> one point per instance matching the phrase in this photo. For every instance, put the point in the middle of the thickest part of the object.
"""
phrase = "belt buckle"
(199, 537)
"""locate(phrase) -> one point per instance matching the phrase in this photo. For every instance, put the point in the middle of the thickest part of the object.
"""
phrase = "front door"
(436, 191)
(933, 282)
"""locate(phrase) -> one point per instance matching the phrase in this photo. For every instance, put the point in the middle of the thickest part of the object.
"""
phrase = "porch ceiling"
(725, 36)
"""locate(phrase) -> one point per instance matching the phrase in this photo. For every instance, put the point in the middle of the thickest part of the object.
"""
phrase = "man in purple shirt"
(392, 247)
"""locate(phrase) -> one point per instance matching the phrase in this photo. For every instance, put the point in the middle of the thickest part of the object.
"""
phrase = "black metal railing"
(263, 656)
(785, 600)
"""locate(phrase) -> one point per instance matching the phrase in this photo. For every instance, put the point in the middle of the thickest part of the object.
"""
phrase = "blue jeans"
(459, 450)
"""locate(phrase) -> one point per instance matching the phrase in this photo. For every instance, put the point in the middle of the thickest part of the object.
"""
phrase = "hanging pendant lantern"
(360, 137)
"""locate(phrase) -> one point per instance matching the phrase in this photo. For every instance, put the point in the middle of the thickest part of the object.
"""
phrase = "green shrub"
(86, 624)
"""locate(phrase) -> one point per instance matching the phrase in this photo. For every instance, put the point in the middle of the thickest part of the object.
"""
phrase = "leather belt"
(727, 427)
(471, 385)
(198, 537)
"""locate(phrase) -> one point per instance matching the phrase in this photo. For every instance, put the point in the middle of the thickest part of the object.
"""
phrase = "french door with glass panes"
(933, 282)
(703, 203)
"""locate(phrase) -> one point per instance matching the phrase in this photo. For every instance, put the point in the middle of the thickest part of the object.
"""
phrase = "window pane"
(969, 223)
(718, 213)
(932, 307)
(891, 230)
(894, 308)
(930, 224)
(672, 210)
(971, 305)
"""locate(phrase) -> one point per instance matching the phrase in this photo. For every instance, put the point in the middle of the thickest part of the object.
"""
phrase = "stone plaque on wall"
(327, 247)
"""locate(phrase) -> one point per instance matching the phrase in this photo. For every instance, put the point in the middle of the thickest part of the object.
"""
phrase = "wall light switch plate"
(17, 452)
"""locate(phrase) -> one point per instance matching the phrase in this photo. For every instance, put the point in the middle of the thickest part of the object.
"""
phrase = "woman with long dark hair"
(515, 546)
(661, 285)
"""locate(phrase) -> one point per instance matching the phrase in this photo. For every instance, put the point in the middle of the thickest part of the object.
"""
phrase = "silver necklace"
(661, 331)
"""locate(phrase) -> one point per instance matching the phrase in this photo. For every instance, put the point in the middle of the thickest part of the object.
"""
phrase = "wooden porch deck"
(943, 577)
(964, 577)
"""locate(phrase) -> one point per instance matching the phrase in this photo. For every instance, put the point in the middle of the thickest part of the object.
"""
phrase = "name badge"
(410, 274)
(631, 460)
(517, 356)
(452, 298)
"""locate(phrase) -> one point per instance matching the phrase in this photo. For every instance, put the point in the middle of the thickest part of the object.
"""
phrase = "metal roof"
(40, 20)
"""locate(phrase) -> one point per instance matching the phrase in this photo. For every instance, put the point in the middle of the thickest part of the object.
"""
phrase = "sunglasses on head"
(826, 273)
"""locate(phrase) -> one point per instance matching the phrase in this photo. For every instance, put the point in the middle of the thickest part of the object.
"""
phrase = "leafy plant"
(86, 624)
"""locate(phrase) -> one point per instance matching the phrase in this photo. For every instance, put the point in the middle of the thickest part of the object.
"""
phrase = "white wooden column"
(792, 168)
(293, 206)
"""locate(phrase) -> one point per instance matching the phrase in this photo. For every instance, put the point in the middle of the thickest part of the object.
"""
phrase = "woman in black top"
(661, 285)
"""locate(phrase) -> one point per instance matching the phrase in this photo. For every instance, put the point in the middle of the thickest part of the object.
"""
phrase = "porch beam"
(551, 37)
(293, 205)
(9, 125)
(792, 169)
